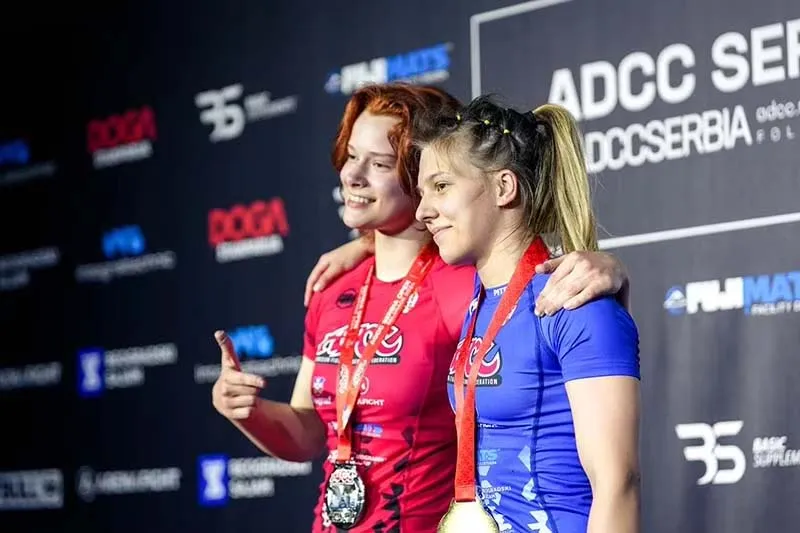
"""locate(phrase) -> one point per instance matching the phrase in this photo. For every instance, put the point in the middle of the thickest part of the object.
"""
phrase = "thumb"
(228, 352)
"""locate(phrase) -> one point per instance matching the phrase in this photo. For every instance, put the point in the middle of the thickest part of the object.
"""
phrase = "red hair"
(412, 104)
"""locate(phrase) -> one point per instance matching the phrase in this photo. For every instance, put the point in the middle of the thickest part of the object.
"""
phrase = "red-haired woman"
(372, 388)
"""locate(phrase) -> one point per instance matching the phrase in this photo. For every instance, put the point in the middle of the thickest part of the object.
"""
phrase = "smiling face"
(458, 207)
(373, 196)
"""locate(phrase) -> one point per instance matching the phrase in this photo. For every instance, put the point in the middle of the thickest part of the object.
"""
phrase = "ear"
(506, 187)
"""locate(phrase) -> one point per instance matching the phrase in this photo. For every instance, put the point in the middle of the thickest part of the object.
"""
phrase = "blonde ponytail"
(564, 166)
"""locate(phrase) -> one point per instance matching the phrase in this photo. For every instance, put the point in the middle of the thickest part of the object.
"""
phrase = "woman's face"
(457, 207)
(373, 196)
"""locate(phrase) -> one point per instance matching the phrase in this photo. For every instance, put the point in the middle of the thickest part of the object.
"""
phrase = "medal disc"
(469, 517)
(344, 496)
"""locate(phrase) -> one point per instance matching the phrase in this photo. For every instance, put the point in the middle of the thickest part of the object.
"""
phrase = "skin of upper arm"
(606, 412)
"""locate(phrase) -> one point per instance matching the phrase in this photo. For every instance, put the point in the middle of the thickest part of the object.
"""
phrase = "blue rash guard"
(529, 474)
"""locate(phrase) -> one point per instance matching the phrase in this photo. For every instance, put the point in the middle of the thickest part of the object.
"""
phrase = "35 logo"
(227, 118)
(130, 127)
(711, 453)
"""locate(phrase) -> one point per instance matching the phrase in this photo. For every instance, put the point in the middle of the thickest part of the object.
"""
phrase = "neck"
(497, 265)
(395, 254)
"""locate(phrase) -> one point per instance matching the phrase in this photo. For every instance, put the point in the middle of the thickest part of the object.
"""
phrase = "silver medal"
(344, 496)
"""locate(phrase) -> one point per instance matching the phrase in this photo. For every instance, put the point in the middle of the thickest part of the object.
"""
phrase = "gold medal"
(467, 517)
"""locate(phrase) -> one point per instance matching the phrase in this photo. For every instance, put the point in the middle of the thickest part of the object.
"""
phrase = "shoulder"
(343, 290)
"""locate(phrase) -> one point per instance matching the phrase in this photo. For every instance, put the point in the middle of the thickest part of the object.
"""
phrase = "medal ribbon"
(348, 390)
(536, 253)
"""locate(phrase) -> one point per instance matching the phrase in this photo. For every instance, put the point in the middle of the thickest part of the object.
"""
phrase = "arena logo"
(329, 348)
(90, 484)
(243, 232)
(255, 347)
(33, 376)
(122, 138)
(16, 163)
(768, 451)
(27, 490)
(124, 249)
(100, 370)
(764, 56)
(225, 111)
(425, 66)
(15, 269)
(491, 364)
(764, 295)
(221, 479)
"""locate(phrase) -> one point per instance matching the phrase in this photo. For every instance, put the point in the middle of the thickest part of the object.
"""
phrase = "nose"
(425, 210)
(353, 175)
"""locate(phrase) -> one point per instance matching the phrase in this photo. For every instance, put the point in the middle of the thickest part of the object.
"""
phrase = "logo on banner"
(243, 232)
(759, 57)
(122, 138)
(227, 112)
(90, 484)
(30, 376)
(124, 248)
(764, 295)
(221, 479)
(16, 163)
(424, 66)
(27, 490)
(100, 371)
(774, 452)
(388, 352)
(492, 363)
(253, 341)
(711, 453)
(15, 269)
(255, 347)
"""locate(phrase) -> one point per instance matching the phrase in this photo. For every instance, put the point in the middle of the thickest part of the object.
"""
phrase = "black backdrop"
(164, 172)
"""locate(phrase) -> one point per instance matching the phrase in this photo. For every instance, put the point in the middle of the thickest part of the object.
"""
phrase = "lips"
(356, 200)
(437, 232)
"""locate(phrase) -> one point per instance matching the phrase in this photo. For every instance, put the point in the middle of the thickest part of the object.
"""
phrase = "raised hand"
(235, 393)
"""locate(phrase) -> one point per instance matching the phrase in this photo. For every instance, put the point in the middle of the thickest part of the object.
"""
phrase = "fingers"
(312, 283)
(240, 401)
(240, 413)
(228, 352)
(549, 266)
(235, 394)
(552, 296)
(586, 295)
(234, 378)
(328, 275)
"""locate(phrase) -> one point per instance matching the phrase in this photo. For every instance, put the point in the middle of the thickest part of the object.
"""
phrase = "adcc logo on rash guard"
(492, 363)
(330, 347)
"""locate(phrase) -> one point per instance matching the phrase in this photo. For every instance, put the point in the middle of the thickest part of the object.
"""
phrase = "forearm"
(280, 430)
(616, 508)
